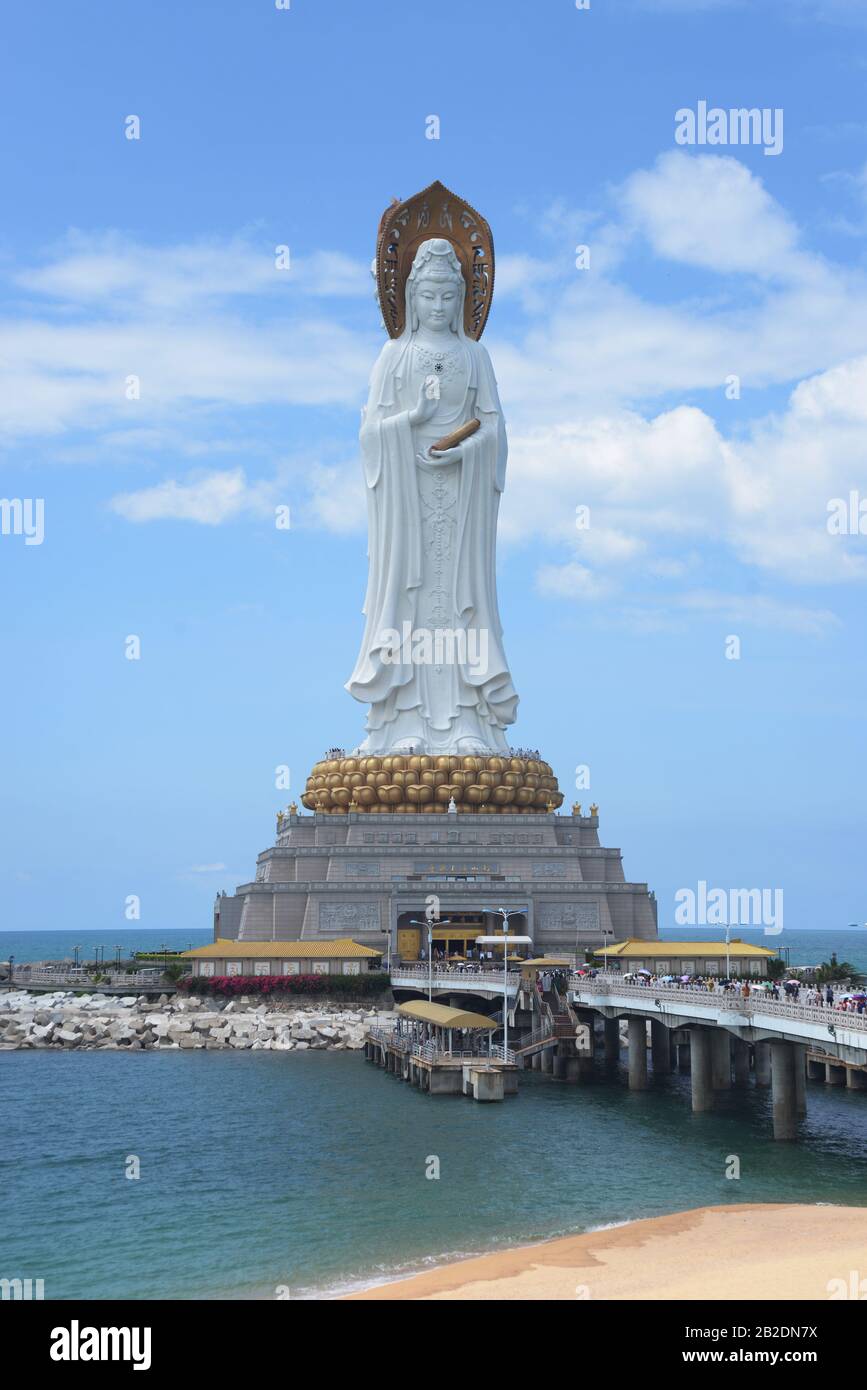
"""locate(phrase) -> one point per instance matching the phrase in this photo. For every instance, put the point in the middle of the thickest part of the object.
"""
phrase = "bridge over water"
(723, 1032)
(722, 1037)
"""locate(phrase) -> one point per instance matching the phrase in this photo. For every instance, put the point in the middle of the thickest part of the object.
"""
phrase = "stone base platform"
(334, 875)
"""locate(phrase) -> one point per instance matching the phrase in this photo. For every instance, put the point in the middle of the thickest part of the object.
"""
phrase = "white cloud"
(711, 211)
(636, 476)
(759, 610)
(336, 498)
(119, 272)
(570, 581)
(63, 376)
(663, 491)
(209, 499)
(588, 385)
(733, 613)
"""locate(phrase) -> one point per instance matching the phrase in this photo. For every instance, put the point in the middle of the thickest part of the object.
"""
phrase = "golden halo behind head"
(434, 212)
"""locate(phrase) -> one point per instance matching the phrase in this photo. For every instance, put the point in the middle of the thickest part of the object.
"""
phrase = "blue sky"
(155, 258)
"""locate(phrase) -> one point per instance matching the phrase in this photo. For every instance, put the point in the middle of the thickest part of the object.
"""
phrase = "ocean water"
(797, 947)
(307, 1172)
(804, 947)
(58, 945)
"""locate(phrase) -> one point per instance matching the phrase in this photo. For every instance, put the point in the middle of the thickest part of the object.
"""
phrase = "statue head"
(435, 288)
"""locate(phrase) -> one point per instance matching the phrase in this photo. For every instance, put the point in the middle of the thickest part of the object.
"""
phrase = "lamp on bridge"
(428, 923)
(606, 932)
(505, 939)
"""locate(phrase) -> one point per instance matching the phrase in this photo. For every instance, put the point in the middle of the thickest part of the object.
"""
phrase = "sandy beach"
(751, 1251)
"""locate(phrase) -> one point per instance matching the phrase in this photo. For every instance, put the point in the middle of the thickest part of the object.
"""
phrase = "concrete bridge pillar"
(856, 1080)
(784, 1097)
(700, 1067)
(568, 1066)
(835, 1075)
(762, 1056)
(547, 1062)
(536, 1061)
(563, 1054)
(611, 1032)
(800, 1052)
(815, 1069)
(638, 1054)
(660, 1046)
(588, 1017)
(741, 1061)
(683, 1057)
(720, 1060)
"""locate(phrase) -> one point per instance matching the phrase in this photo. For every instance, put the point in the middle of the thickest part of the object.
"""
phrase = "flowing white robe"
(467, 702)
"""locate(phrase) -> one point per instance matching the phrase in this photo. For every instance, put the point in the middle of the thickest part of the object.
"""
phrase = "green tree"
(832, 970)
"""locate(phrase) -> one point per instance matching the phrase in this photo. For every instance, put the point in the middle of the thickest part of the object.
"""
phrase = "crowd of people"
(470, 964)
(840, 997)
(829, 996)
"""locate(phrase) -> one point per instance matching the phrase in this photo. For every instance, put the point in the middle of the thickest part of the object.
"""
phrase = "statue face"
(436, 304)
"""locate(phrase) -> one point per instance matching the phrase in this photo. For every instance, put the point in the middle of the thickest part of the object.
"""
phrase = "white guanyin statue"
(432, 666)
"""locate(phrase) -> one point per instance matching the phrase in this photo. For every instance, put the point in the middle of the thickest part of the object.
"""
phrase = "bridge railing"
(382, 1033)
(721, 1000)
(429, 1052)
(82, 979)
(540, 1033)
(455, 978)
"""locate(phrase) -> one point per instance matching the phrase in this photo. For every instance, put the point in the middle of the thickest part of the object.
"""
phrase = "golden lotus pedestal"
(412, 784)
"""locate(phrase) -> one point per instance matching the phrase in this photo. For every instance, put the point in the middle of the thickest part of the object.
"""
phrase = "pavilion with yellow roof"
(738, 958)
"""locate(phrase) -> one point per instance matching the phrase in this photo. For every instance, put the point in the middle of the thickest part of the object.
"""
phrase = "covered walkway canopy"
(441, 1017)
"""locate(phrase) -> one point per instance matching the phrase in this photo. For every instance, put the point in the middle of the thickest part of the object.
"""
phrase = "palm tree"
(833, 970)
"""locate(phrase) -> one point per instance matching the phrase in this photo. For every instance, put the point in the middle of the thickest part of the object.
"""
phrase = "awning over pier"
(442, 1017)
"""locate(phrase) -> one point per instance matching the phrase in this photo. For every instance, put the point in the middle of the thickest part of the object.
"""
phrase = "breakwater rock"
(84, 1022)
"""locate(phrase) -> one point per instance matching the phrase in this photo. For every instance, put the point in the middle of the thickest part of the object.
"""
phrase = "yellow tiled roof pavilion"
(341, 949)
(634, 948)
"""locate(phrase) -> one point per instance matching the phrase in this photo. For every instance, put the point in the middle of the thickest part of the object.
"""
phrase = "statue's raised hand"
(425, 407)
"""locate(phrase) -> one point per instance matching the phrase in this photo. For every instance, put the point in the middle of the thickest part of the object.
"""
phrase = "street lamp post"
(606, 932)
(728, 952)
(505, 913)
(428, 923)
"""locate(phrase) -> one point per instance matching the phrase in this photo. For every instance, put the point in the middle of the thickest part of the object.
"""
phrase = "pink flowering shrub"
(373, 982)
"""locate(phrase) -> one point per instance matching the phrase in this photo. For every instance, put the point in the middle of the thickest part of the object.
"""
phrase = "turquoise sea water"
(805, 947)
(308, 1170)
(261, 1170)
(58, 945)
(798, 947)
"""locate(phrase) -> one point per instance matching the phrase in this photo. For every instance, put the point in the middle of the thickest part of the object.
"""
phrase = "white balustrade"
(758, 1001)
